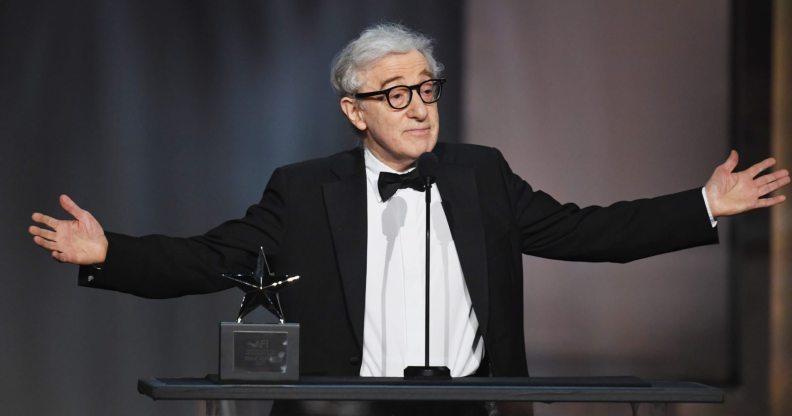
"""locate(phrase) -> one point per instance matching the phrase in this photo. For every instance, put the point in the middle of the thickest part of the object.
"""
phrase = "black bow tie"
(389, 183)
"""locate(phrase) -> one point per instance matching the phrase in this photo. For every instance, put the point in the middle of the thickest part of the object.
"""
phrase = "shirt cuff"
(712, 219)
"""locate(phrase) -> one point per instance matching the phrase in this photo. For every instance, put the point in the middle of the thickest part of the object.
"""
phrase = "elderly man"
(360, 252)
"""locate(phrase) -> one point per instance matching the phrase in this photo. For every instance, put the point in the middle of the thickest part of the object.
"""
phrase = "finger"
(759, 167)
(773, 176)
(70, 206)
(774, 185)
(45, 219)
(731, 161)
(779, 174)
(47, 244)
(769, 202)
(60, 257)
(41, 232)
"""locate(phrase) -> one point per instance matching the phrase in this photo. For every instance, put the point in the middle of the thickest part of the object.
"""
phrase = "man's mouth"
(417, 131)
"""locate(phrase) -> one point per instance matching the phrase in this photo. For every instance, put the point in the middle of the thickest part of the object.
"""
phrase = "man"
(359, 251)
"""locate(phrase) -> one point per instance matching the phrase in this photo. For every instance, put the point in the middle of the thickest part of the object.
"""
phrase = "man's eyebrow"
(389, 80)
(398, 77)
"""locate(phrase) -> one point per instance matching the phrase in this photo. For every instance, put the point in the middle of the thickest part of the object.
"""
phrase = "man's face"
(396, 137)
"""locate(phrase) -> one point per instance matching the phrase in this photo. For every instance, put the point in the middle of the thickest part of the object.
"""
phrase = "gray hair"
(374, 43)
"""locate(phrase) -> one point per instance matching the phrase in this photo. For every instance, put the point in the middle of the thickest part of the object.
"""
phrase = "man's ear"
(353, 112)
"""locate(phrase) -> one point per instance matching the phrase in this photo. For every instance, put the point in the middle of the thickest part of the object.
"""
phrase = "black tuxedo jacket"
(311, 221)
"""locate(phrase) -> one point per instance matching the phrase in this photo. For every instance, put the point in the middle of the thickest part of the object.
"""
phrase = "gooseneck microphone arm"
(428, 190)
(427, 167)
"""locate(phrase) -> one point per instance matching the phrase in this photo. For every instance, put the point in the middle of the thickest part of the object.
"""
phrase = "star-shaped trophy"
(257, 292)
(259, 352)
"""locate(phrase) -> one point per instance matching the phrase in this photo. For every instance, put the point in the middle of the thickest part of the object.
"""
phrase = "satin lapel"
(346, 210)
(457, 186)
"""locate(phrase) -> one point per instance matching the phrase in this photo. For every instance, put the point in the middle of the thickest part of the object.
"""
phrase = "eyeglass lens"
(429, 91)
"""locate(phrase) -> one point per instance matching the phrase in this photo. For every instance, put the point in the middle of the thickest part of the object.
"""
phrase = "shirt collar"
(373, 168)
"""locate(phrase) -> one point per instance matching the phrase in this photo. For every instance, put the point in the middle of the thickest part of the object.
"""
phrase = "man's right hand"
(78, 241)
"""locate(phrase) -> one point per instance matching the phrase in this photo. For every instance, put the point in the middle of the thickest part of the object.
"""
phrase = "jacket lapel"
(346, 209)
(457, 186)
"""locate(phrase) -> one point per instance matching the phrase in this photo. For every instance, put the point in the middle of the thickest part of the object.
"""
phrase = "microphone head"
(427, 165)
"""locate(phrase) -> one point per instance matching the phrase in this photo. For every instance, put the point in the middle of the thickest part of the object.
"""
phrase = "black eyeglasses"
(400, 96)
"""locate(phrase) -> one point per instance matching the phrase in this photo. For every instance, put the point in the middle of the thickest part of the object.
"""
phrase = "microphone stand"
(427, 371)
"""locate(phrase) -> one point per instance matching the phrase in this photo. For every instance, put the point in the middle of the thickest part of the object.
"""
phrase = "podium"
(629, 390)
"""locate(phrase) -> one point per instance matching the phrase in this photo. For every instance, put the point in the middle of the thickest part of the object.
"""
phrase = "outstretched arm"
(730, 193)
(78, 241)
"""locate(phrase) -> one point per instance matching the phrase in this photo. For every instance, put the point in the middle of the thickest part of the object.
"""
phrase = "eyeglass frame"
(411, 88)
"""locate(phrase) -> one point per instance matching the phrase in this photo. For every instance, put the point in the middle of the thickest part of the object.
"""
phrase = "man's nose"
(417, 108)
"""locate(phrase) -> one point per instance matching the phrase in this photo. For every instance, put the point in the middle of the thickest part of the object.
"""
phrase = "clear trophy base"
(259, 352)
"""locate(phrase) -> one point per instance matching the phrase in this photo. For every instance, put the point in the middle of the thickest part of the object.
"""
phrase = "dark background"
(169, 116)
(158, 117)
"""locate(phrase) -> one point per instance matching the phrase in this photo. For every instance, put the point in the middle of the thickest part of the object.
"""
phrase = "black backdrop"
(166, 117)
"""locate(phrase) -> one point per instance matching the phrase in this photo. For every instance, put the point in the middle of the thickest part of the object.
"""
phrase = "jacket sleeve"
(621, 232)
(158, 266)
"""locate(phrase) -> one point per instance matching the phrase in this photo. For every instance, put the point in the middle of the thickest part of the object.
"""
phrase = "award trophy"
(259, 351)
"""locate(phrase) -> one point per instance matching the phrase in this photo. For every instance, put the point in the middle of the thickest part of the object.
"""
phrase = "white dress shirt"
(393, 334)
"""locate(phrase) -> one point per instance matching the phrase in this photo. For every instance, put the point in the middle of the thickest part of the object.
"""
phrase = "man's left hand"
(730, 192)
